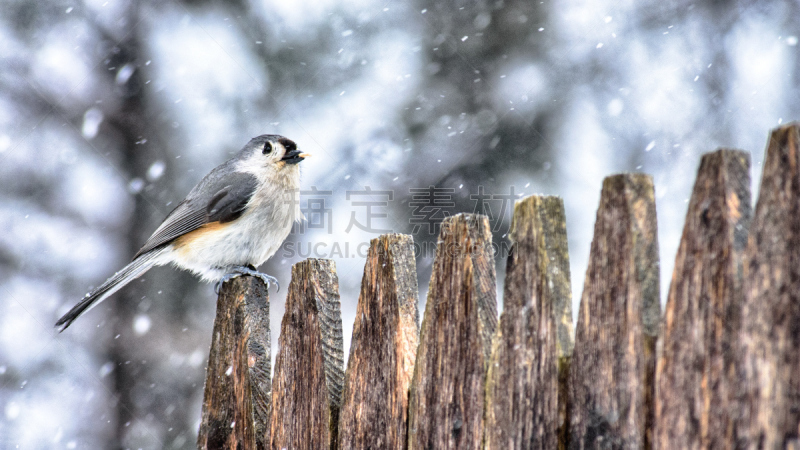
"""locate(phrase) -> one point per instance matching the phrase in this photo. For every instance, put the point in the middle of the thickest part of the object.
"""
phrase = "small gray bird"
(230, 223)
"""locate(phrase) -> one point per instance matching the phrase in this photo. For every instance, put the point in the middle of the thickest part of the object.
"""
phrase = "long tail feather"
(136, 268)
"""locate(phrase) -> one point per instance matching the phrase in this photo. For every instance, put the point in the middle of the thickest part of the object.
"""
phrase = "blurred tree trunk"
(141, 392)
(130, 125)
(469, 48)
(472, 50)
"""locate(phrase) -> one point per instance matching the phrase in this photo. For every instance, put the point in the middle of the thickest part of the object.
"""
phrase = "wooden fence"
(720, 369)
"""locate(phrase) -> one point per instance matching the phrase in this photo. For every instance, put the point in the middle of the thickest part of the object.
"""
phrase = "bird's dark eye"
(267, 148)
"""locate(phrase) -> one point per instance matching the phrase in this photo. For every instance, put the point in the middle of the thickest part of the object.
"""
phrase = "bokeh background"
(110, 111)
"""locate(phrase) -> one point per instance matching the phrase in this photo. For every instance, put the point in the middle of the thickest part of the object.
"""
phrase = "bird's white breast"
(251, 239)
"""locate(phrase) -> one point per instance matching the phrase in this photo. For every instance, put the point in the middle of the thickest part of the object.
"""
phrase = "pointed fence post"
(525, 389)
(236, 398)
(384, 346)
(446, 405)
(611, 379)
(696, 371)
(771, 316)
(309, 372)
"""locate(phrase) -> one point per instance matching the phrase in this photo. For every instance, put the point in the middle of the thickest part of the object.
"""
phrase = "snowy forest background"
(110, 111)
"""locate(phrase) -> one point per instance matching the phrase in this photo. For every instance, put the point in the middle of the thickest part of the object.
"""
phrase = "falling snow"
(156, 170)
(375, 92)
(91, 123)
(141, 324)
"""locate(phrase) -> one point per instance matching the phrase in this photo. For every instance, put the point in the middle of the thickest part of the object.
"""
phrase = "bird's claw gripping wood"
(244, 270)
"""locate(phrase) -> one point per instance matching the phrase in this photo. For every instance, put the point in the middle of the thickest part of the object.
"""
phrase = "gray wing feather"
(229, 202)
(221, 196)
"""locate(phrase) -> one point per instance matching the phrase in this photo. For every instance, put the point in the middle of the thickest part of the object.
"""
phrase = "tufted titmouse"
(234, 219)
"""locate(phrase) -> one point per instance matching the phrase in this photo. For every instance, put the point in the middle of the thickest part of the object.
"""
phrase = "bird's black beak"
(294, 157)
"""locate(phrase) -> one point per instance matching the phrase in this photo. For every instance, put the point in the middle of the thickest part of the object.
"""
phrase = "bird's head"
(272, 156)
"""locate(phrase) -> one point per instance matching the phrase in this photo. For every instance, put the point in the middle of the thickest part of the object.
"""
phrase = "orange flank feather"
(183, 243)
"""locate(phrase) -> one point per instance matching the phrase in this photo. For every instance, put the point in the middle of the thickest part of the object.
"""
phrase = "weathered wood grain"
(771, 316)
(611, 379)
(383, 349)
(534, 333)
(695, 403)
(309, 372)
(236, 399)
(559, 282)
(447, 390)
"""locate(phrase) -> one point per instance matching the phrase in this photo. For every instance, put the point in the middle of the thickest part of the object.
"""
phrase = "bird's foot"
(238, 271)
